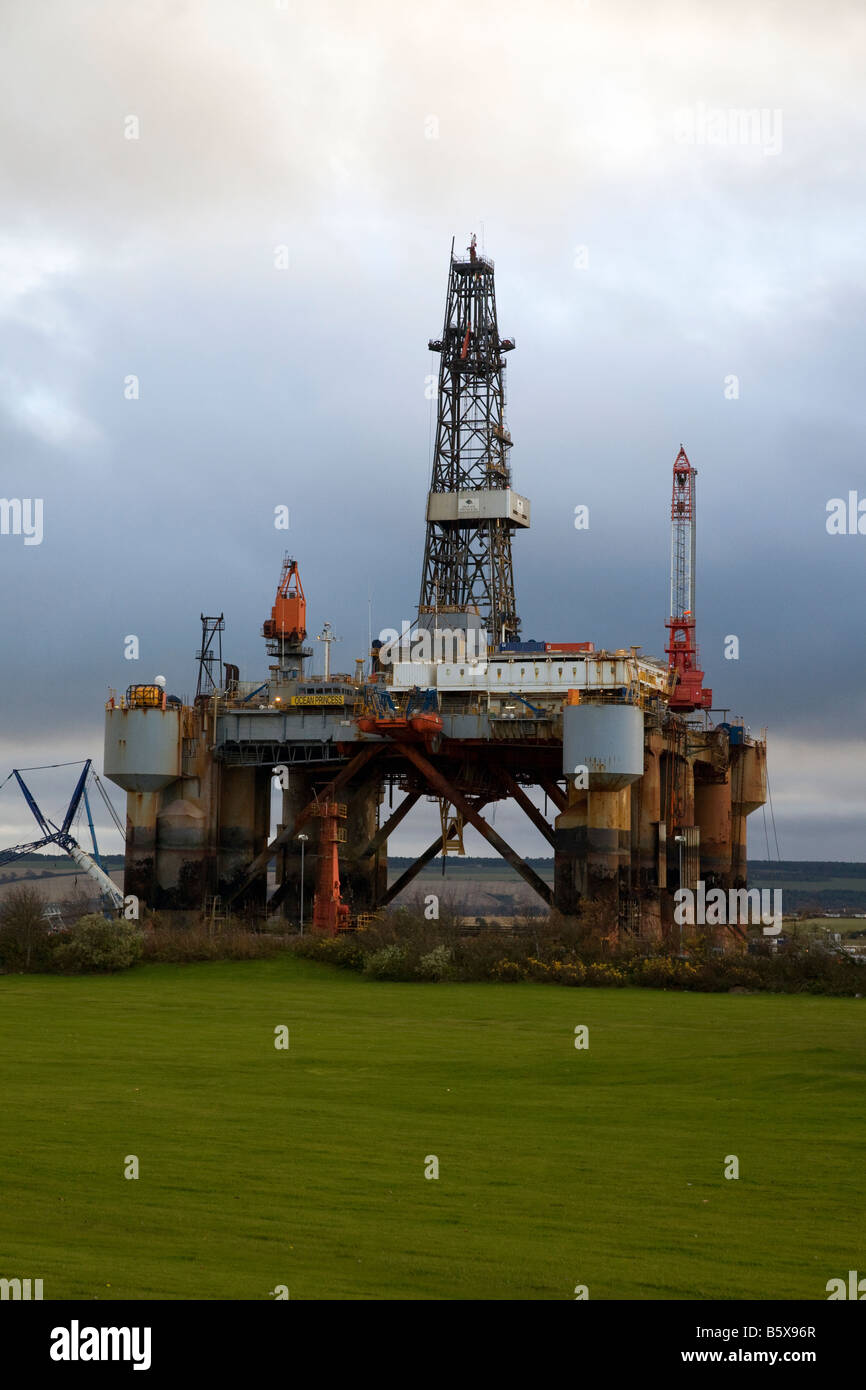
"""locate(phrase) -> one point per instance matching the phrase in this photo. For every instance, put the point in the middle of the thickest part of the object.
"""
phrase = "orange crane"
(286, 628)
(288, 620)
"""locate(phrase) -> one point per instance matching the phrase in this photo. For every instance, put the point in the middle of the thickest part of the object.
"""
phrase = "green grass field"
(844, 925)
(305, 1167)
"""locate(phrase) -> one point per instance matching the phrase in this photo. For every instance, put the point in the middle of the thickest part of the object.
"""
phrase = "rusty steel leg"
(608, 838)
(360, 870)
(571, 855)
(713, 815)
(443, 787)
(139, 869)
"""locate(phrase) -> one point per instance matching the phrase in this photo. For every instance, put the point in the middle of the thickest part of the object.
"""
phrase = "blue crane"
(53, 834)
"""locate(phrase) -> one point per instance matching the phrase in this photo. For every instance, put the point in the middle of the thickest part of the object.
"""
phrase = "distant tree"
(23, 927)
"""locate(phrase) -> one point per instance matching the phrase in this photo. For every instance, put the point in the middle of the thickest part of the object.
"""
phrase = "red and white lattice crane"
(688, 692)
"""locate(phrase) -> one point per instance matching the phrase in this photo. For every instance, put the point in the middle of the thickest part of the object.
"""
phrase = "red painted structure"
(330, 913)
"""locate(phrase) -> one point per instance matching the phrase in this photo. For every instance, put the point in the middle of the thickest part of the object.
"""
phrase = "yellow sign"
(318, 699)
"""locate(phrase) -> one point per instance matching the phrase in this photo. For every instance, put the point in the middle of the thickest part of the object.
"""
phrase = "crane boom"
(86, 862)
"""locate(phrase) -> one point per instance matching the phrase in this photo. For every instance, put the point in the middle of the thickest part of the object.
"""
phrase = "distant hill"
(45, 861)
(807, 885)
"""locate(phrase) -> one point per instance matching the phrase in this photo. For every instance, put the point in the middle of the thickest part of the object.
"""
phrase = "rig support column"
(603, 750)
(748, 792)
(713, 815)
(570, 856)
(365, 875)
(244, 817)
(139, 877)
(183, 862)
(608, 842)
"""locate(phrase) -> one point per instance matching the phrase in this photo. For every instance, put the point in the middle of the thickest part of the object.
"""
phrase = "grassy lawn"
(305, 1168)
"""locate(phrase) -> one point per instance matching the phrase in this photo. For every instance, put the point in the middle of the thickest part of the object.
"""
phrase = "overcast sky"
(653, 241)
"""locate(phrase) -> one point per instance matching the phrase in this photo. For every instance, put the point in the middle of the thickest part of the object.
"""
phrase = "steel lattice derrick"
(682, 645)
(467, 557)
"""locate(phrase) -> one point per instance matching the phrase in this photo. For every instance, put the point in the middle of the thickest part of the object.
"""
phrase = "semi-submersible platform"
(645, 793)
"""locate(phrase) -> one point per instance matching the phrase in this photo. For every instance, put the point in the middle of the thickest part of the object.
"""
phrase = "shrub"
(437, 964)
(345, 950)
(403, 944)
(509, 970)
(598, 972)
(386, 964)
(476, 957)
(98, 944)
(187, 945)
(661, 972)
(569, 972)
(537, 969)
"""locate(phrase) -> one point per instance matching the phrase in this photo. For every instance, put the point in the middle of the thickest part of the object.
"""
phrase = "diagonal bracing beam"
(443, 787)
(556, 794)
(376, 841)
(414, 869)
(516, 791)
(412, 872)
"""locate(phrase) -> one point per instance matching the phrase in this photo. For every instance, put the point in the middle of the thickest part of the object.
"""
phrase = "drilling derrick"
(688, 693)
(471, 508)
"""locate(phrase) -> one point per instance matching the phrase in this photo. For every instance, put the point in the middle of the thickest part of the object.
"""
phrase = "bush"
(509, 970)
(387, 964)
(189, 945)
(404, 945)
(437, 964)
(96, 943)
(598, 972)
(344, 950)
(661, 972)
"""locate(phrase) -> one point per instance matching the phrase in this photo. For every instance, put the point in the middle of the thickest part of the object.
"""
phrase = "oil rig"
(644, 792)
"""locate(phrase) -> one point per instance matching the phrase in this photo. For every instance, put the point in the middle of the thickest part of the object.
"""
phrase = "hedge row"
(495, 957)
